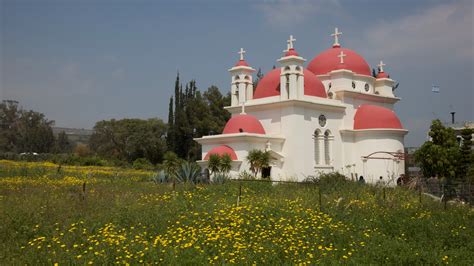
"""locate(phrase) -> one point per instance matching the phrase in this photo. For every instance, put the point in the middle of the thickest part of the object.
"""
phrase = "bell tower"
(242, 81)
(292, 73)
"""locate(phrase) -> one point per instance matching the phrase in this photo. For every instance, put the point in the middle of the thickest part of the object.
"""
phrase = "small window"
(322, 120)
(377, 92)
(247, 77)
(236, 78)
(330, 84)
(287, 68)
(330, 95)
(353, 85)
(298, 68)
(366, 87)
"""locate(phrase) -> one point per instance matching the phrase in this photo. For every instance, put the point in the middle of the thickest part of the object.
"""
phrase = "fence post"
(319, 196)
(384, 193)
(240, 193)
(84, 191)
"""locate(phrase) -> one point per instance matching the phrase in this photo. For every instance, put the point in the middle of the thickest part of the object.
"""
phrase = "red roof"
(372, 116)
(269, 85)
(291, 51)
(382, 75)
(328, 61)
(221, 150)
(242, 63)
(243, 123)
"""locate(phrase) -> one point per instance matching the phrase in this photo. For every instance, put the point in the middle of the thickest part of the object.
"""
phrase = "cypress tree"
(170, 136)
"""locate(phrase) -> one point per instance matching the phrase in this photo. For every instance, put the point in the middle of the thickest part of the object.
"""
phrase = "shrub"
(142, 163)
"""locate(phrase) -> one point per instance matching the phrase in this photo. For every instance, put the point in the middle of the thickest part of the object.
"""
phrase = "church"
(331, 116)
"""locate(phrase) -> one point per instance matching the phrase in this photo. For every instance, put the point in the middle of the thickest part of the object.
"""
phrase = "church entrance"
(266, 172)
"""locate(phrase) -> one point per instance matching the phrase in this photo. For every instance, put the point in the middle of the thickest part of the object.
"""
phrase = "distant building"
(75, 135)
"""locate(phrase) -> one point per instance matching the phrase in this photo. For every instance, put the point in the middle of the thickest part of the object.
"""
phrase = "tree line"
(192, 114)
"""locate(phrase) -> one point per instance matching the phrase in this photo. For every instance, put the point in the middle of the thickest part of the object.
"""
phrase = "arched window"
(317, 146)
(287, 86)
(327, 147)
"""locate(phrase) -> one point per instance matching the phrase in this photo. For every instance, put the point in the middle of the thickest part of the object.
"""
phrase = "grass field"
(125, 218)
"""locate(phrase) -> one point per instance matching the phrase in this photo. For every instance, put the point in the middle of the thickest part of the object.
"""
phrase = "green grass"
(46, 219)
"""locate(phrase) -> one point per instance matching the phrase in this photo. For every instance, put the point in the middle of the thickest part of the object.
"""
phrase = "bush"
(142, 163)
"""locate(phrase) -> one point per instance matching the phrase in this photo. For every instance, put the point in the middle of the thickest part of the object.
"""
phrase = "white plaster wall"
(372, 141)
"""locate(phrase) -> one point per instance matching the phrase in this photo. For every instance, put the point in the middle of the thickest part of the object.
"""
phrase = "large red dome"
(243, 123)
(328, 61)
(221, 150)
(270, 85)
(372, 116)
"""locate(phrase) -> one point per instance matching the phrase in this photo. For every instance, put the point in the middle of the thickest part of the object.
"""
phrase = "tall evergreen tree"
(467, 156)
(170, 135)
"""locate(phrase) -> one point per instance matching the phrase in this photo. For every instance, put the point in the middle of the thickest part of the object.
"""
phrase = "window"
(322, 120)
(327, 147)
(316, 137)
(236, 77)
(330, 84)
(353, 85)
(366, 87)
(247, 77)
(330, 95)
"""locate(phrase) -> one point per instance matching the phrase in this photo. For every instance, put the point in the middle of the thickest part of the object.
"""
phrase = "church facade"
(331, 115)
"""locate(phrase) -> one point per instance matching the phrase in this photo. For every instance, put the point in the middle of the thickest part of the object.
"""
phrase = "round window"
(322, 120)
(353, 85)
(366, 87)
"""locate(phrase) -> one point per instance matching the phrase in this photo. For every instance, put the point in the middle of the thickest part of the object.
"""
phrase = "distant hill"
(75, 135)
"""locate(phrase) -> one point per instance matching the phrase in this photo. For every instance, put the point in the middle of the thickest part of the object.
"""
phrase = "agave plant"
(188, 172)
(160, 177)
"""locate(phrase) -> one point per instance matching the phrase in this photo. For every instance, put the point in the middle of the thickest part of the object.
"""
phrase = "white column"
(300, 86)
(249, 91)
(293, 86)
(242, 92)
(283, 92)
(234, 97)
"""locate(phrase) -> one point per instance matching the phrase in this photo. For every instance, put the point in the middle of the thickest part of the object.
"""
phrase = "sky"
(82, 61)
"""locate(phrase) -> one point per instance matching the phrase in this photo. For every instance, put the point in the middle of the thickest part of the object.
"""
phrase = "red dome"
(372, 116)
(382, 75)
(221, 150)
(291, 51)
(242, 63)
(243, 123)
(270, 85)
(328, 61)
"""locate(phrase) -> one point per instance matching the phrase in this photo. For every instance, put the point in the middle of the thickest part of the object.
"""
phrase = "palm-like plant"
(258, 160)
(171, 163)
(214, 163)
(225, 164)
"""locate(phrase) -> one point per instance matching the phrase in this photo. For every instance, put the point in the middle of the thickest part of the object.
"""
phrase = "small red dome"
(221, 150)
(382, 75)
(243, 123)
(372, 116)
(291, 52)
(269, 85)
(328, 61)
(242, 63)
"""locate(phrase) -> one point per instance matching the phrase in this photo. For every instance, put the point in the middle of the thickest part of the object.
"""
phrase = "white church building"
(331, 115)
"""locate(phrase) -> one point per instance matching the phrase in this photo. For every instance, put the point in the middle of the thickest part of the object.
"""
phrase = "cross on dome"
(341, 56)
(336, 37)
(287, 48)
(381, 65)
(243, 109)
(290, 42)
(241, 52)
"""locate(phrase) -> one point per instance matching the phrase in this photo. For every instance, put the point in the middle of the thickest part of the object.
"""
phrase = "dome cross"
(241, 52)
(381, 65)
(341, 56)
(336, 37)
(290, 42)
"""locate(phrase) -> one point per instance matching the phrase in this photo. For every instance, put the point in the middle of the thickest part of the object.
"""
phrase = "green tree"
(24, 131)
(63, 145)
(171, 164)
(467, 156)
(440, 155)
(130, 139)
(258, 160)
(170, 135)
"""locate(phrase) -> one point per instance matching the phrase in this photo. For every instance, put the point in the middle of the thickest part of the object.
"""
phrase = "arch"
(317, 146)
(327, 147)
(236, 77)
(247, 77)
(298, 68)
(287, 68)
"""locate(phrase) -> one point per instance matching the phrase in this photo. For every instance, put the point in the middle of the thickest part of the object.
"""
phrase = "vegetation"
(121, 217)
(258, 160)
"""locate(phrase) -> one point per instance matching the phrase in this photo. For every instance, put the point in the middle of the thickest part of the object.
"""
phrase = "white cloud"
(287, 13)
(442, 32)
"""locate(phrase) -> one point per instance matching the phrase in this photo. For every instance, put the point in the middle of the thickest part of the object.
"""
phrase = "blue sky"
(81, 61)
